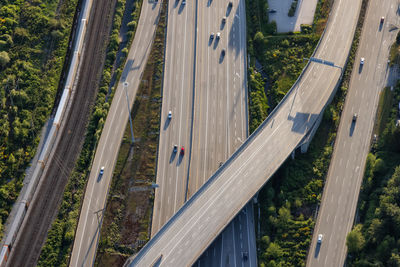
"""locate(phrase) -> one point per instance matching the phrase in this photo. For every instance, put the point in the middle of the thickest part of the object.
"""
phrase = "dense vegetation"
(60, 238)
(375, 241)
(34, 38)
(289, 201)
(280, 55)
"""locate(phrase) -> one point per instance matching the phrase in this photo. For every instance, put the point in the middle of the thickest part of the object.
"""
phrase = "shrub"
(4, 59)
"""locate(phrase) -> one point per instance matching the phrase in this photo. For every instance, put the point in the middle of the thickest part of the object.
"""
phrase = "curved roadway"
(189, 232)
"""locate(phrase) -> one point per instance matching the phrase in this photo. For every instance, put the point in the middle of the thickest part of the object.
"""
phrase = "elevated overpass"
(192, 229)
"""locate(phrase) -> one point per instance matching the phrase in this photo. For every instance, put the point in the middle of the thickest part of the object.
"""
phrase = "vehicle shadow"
(360, 68)
(210, 40)
(166, 123)
(228, 10)
(317, 249)
(352, 127)
(221, 27)
(176, 3)
(180, 158)
(216, 41)
(221, 57)
(172, 157)
(99, 177)
(181, 7)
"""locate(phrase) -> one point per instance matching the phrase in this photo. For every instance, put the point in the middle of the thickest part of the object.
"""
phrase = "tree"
(4, 59)
(355, 240)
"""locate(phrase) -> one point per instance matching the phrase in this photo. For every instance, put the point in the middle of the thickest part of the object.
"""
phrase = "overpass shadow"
(302, 122)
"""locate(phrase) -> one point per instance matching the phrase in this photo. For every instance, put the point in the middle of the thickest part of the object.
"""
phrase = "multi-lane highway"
(88, 230)
(178, 90)
(189, 232)
(200, 82)
(339, 202)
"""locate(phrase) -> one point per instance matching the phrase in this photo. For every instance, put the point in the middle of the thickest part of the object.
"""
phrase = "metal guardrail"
(187, 204)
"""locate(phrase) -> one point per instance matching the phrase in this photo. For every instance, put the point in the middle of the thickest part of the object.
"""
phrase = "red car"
(182, 151)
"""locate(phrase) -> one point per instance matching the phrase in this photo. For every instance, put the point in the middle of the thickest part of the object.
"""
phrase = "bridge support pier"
(307, 140)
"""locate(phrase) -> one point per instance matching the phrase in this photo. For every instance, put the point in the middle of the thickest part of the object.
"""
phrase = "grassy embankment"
(34, 38)
(128, 214)
(288, 201)
(58, 246)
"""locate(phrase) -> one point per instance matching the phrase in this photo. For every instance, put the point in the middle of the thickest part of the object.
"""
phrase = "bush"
(4, 59)
(306, 29)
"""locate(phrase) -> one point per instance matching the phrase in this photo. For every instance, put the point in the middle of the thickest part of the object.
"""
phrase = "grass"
(384, 108)
(126, 223)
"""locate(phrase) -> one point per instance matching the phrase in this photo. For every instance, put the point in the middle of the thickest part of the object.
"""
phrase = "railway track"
(45, 204)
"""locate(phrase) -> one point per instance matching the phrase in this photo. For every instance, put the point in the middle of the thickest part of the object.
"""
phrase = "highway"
(199, 83)
(88, 230)
(340, 196)
(178, 90)
(192, 229)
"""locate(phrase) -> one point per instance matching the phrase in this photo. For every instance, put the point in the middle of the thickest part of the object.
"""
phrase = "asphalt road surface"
(200, 82)
(88, 230)
(178, 89)
(192, 229)
(49, 193)
(339, 202)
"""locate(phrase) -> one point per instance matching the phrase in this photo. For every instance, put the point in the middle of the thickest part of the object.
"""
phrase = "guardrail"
(23, 205)
(135, 258)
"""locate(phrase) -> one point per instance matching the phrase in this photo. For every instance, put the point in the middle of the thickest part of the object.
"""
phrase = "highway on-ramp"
(192, 229)
(92, 212)
(340, 197)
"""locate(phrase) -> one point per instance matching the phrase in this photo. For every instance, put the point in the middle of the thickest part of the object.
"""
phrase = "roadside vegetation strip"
(34, 39)
(289, 201)
(126, 225)
(59, 241)
(375, 240)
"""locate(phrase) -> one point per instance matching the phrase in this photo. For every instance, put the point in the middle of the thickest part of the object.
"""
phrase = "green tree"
(355, 240)
(4, 59)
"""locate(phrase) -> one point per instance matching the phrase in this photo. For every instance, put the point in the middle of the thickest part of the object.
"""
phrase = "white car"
(170, 114)
(362, 61)
(102, 170)
(218, 35)
(320, 238)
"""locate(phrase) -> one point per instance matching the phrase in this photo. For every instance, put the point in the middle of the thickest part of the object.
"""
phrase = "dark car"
(175, 148)
(382, 20)
(245, 256)
(272, 11)
(182, 151)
